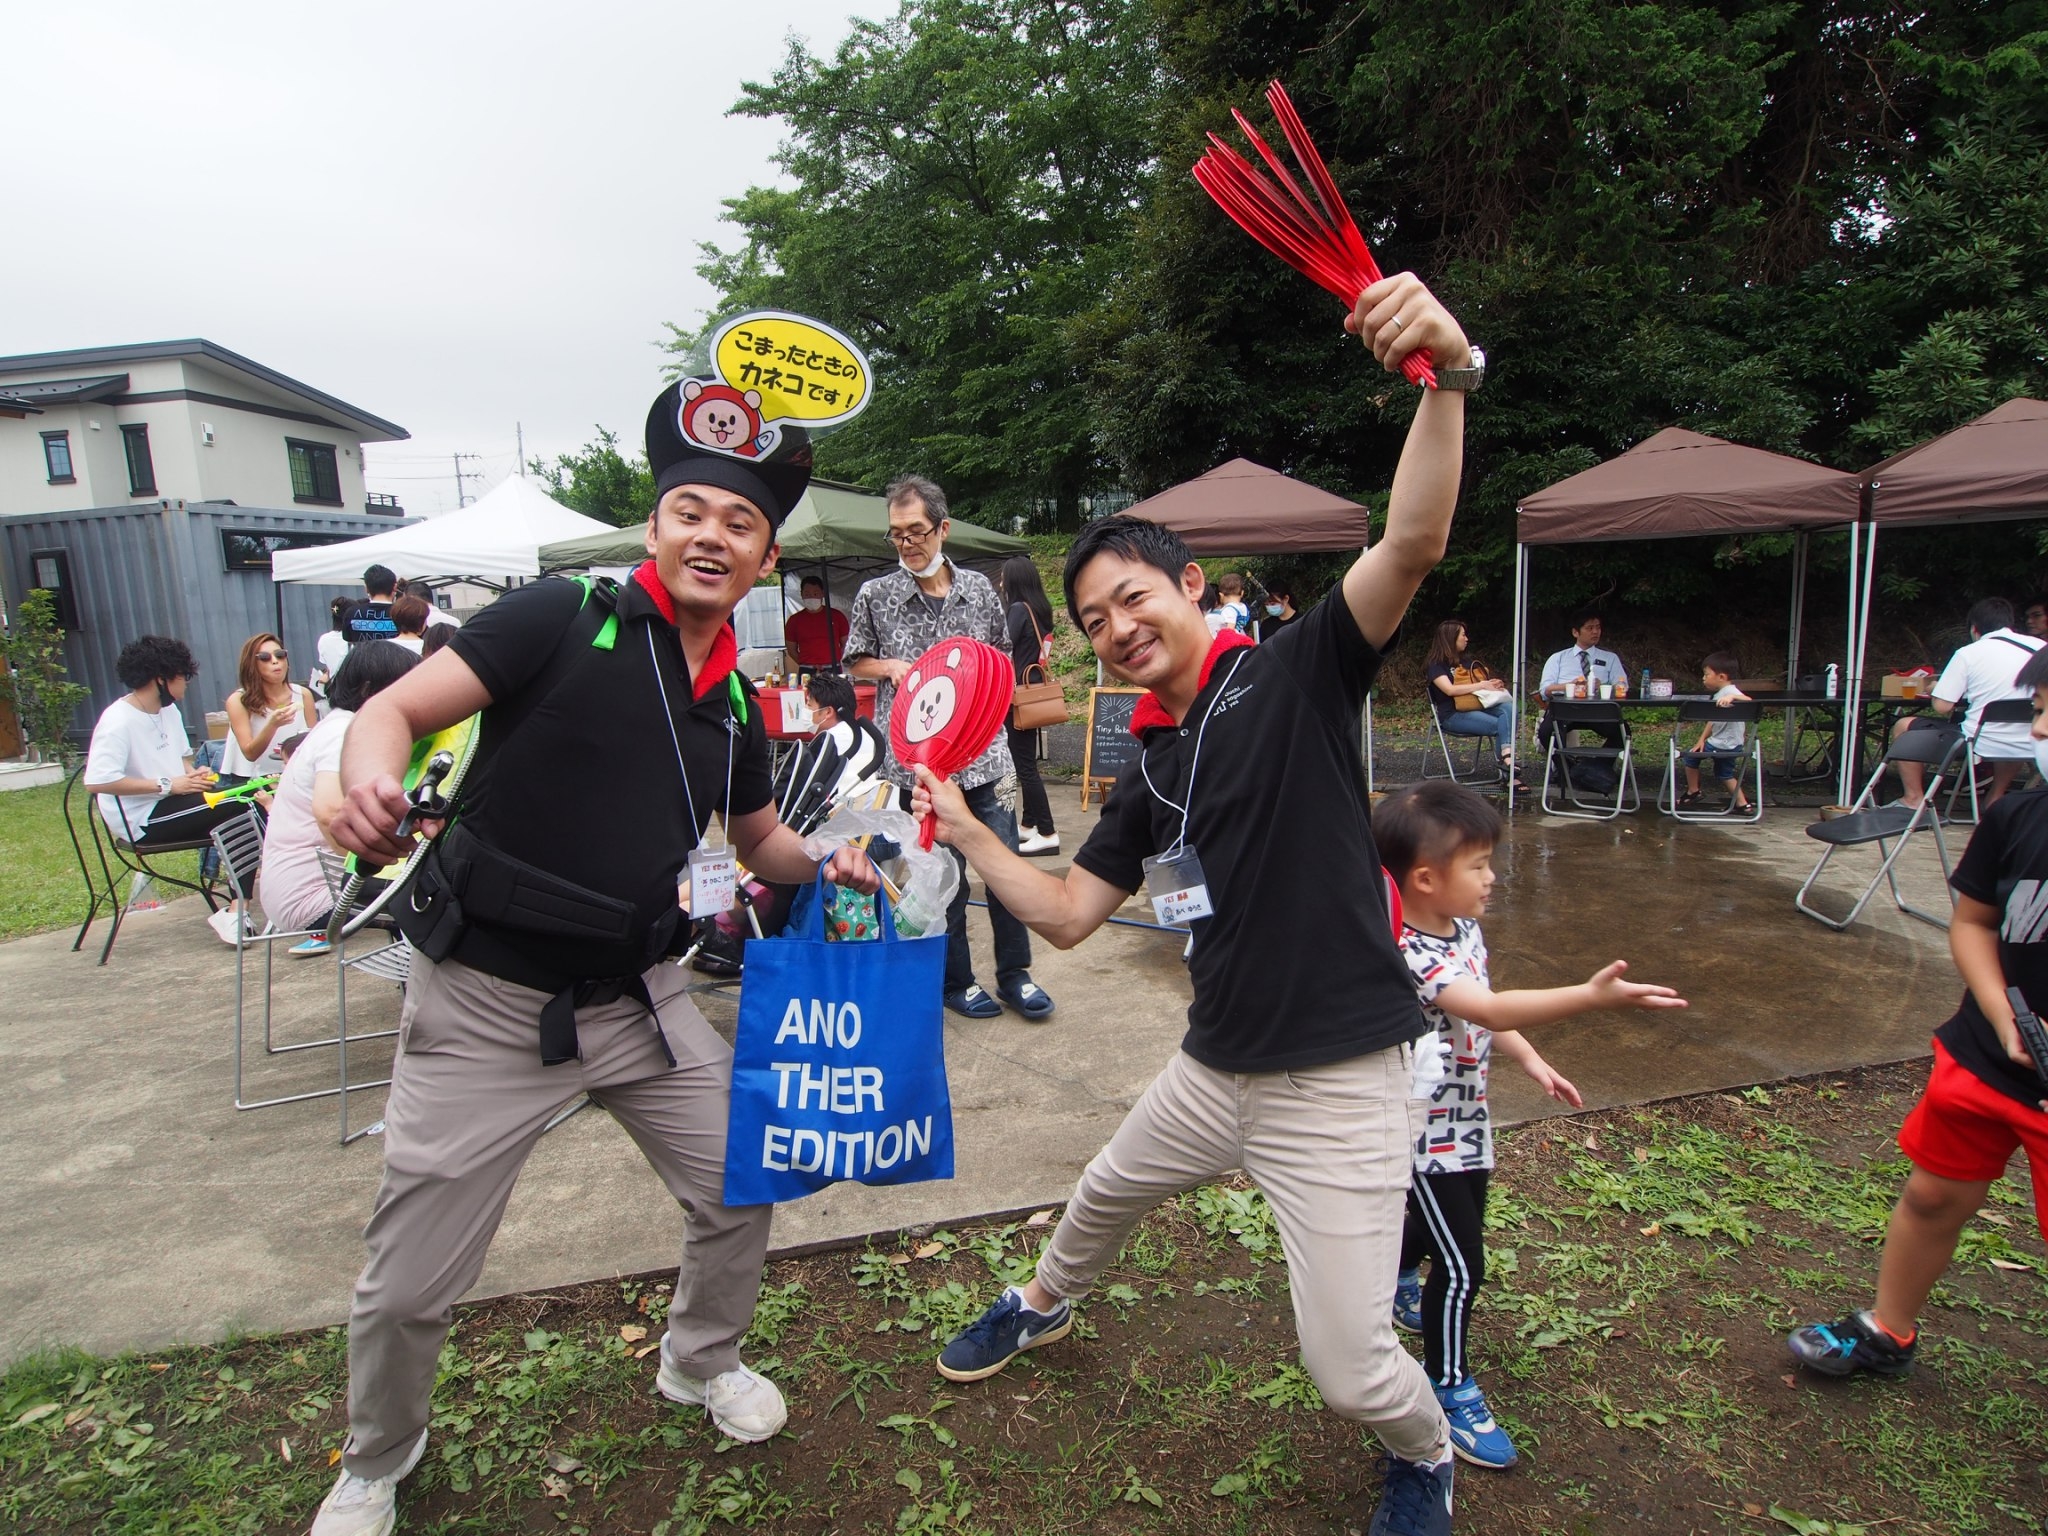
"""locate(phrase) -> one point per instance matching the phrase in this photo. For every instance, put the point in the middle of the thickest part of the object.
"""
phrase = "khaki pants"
(1332, 1148)
(469, 1097)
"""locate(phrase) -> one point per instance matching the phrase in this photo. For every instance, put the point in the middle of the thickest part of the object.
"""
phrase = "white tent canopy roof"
(496, 536)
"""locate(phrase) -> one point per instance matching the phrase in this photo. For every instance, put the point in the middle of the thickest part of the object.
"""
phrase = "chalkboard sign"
(1111, 747)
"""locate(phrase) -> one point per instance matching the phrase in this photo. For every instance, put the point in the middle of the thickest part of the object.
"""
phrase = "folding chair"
(239, 844)
(1749, 712)
(1997, 712)
(1443, 743)
(1559, 758)
(1869, 822)
(104, 889)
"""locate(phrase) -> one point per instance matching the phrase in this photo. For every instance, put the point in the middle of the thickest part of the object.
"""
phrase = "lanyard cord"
(676, 741)
(1194, 767)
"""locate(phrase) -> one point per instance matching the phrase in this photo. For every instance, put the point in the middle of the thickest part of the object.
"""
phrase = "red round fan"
(1394, 913)
(948, 709)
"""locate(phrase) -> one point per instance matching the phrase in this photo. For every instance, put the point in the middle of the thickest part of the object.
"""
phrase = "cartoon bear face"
(720, 417)
(933, 701)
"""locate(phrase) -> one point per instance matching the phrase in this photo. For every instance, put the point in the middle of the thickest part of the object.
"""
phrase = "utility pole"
(461, 498)
(520, 429)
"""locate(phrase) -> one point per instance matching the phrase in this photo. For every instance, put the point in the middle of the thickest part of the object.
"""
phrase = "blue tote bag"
(839, 1065)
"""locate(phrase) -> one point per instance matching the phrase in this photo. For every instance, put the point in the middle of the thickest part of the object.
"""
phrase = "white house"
(171, 420)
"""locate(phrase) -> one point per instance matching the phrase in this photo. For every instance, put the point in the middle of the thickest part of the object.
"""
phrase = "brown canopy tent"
(1992, 469)
(1242, 508)
(1680, 484)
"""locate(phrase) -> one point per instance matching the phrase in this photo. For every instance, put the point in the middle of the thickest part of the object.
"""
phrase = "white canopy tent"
(496, 537)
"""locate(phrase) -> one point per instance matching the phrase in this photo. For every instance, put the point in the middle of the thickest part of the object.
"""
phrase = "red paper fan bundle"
(948, 709)
(1318, 239)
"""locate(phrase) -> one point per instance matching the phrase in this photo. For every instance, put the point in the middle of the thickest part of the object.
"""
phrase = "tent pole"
(1846, 740)
(1800, 542)
(1519, 630)
(1869, 595)
(1368, 745)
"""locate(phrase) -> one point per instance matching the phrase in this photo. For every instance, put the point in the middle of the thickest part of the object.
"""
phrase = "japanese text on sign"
(803, 370)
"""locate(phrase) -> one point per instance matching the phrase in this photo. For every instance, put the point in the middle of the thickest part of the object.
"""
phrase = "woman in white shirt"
(267, 711)
(291, 884)
(409, 613)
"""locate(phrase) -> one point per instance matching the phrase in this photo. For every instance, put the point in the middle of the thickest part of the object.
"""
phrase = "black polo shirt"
(576, 770)
(1298, 966)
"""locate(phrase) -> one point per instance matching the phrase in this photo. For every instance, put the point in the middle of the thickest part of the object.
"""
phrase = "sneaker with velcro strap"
(1854, 1343)
(743, 1404)
(1000, 1334)
(1475, 1434)
(1408, 1302)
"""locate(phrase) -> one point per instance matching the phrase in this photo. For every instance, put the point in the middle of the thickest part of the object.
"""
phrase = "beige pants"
(1331, 1147)
(469, 1097)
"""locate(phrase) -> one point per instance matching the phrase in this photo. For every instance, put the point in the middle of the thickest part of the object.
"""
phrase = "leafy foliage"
(599, 481)
(35, 681)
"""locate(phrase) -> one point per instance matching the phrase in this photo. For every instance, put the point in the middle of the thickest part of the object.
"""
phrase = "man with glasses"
(896, 619)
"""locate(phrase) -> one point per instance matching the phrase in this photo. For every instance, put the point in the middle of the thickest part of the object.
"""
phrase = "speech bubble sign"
(803, 370)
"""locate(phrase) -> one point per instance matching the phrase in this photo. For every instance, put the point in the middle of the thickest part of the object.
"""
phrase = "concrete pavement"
(138, 1208)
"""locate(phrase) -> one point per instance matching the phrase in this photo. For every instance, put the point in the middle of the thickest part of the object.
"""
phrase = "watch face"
(1478, 357)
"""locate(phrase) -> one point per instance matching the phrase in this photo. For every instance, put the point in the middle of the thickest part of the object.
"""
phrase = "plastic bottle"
(1834, 679)
(1646, 684)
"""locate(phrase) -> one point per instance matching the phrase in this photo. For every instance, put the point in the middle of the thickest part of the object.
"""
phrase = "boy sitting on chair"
(1720, 744)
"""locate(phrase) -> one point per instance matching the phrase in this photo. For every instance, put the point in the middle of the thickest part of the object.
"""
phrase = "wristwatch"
(163, 784)
(1465, 380)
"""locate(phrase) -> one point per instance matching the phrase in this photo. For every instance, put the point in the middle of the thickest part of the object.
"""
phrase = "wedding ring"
(1397, 322)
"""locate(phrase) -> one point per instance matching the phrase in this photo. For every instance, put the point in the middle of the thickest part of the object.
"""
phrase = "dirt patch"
(1646, 1265)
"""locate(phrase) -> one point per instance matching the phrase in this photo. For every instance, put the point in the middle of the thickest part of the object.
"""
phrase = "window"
(314, 474)
(57, 457)
(250, 549)
(50, 569)
(141, 472)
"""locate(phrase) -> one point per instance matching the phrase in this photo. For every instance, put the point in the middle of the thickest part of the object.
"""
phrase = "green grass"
(40, 886)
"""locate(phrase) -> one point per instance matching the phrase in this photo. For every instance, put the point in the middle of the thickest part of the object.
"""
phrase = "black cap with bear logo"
(704, 432)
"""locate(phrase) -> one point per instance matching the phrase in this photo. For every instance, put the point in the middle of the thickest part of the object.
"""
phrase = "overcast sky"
(454, 216)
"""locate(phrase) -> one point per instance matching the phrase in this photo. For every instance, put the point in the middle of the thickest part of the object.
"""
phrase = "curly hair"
(148, 658)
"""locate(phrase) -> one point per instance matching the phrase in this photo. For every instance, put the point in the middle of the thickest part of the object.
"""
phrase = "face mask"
(1273, 610)
(938, 559)
(163, 695)
(2041, 757)
(813, 604)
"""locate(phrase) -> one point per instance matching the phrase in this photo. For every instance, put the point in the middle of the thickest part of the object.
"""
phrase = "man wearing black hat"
(541, 921)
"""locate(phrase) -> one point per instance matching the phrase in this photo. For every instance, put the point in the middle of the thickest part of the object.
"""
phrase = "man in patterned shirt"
(1437, 841)
(896, 619)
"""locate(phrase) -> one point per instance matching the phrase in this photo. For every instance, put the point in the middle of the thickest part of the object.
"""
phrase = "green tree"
(36, 680)
(599, 481)
(964, 179)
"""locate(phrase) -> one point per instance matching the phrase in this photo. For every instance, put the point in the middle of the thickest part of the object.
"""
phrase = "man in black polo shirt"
(1246, 816)
(612, 727)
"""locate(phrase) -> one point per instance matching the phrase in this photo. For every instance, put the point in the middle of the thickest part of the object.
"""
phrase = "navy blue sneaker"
(970, 1002)
(1415, 1500)
(1408, 1301)
(1854, 1344)
(1024, 995)
(1006, 1329)
(1475, 1435)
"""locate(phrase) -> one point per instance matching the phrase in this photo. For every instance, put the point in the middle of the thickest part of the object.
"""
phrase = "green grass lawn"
(40, 886)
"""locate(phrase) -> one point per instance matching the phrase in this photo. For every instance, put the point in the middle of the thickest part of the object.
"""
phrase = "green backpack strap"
(607, 635)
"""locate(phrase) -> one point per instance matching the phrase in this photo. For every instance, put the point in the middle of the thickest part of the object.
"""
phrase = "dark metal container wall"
(161, 569)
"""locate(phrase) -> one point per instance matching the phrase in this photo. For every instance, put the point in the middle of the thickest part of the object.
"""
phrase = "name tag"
(714, 880)
(1179, 892)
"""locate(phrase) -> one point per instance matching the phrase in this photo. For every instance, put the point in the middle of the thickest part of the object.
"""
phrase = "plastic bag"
(925, 879)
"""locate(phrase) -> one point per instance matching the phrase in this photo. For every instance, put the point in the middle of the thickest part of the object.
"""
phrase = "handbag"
(839, 1063)
(1037, 705)
(1466, 701)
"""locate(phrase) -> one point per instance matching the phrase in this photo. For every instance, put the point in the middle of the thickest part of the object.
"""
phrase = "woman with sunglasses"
(265, 713)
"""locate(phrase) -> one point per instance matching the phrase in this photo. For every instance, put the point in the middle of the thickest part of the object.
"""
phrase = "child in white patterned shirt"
(1437, 841)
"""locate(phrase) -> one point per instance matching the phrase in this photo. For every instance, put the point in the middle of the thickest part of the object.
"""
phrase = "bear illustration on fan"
(932, 701)
(723, 419)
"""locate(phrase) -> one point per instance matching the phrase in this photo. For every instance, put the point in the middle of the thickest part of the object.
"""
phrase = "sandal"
(1689, 802)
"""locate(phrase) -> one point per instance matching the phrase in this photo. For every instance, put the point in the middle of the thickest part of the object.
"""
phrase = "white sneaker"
(743, 1405)
(224, 922)
(1039, 842)
(365, 1506)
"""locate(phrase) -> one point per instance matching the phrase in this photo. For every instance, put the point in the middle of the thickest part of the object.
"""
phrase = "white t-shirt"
(417, 644)
(291, 885)
(1457, 1135)
(129, 743)
(1727, 737)
(441, 616)
(232, 759)
(1983, 672)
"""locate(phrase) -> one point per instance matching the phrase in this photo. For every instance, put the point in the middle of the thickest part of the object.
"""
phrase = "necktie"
(1585, 665)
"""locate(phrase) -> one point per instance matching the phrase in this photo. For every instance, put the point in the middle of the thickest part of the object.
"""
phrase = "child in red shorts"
(1985, 1098)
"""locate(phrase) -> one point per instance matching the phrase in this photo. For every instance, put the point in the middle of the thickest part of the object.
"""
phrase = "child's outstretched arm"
(1515, 1046)
(1503, 1011)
